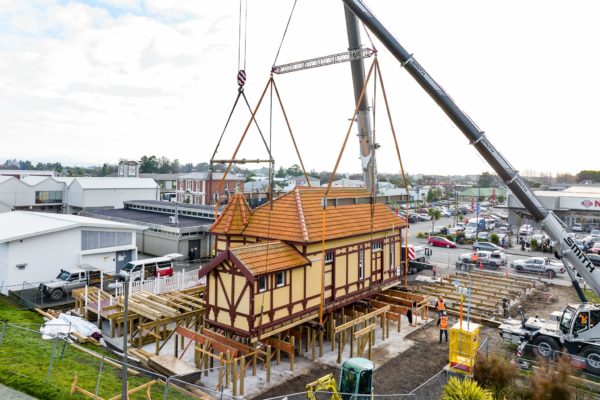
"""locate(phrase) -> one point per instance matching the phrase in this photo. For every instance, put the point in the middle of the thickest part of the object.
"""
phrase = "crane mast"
(363, 120)
(552, 225)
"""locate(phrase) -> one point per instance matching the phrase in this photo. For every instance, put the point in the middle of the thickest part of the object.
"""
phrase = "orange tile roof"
(297, 216)
(234, 218)
(263, 258)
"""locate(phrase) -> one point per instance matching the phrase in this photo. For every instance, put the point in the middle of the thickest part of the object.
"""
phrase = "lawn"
(25, 357)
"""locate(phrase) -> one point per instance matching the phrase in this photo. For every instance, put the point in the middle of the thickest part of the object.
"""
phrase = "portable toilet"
(464, 344)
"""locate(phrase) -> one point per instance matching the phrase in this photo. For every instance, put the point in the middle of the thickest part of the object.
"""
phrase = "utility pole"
(365, 134)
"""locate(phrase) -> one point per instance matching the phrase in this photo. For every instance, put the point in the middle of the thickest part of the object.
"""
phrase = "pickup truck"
(539, 265)
(492, 259)
(69, 279)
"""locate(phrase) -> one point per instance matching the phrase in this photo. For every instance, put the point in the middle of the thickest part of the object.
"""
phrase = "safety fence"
(583, 371)
(56, 368)
(31, 296)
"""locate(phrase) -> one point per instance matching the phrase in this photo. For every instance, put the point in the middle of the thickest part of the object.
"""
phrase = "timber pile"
(487, 292)
(53, 314)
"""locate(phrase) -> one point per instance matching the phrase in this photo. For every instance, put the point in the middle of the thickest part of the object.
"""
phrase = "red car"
(440, 242)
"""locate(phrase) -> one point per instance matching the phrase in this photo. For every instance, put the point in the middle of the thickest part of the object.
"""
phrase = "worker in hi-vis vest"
(444, 326)
(440, 307)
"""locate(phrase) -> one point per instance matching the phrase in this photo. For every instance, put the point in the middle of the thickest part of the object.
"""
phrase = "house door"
(123, 257)
(194, 249)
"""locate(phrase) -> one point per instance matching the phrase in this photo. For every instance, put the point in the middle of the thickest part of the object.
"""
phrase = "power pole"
(365, 134)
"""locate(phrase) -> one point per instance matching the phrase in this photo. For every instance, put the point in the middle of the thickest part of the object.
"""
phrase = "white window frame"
(278, 275)
(261, 279)
(361, 264)
(377, 246)
(392, 259)
(329, 256)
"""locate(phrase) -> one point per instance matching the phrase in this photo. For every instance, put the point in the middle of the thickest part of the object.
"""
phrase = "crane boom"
(552, 225)
(352, 55)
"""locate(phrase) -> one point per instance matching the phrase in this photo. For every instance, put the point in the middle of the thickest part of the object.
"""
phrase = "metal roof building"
(35, 246)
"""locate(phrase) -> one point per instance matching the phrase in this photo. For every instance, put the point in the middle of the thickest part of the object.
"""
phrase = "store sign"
(578, 203)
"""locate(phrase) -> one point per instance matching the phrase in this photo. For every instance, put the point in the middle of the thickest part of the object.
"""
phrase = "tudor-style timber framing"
(267, 272)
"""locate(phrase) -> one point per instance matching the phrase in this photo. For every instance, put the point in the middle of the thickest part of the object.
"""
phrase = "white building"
(86, 192)
(35, 246)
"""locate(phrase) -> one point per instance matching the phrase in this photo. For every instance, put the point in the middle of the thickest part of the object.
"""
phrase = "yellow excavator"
(355, 382)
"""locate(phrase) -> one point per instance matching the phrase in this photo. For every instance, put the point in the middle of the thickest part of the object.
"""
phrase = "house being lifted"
(267, 273)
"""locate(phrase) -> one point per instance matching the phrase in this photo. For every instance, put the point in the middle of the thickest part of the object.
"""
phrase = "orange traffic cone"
(480, 265)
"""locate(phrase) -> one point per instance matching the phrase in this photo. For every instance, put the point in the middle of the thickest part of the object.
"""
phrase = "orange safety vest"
(441, 306)
(444, 323)
(474, 257)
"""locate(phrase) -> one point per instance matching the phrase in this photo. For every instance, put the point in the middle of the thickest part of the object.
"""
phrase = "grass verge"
(25, 358)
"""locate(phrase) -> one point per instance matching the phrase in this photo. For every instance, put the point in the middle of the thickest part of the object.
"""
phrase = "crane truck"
(576, 329)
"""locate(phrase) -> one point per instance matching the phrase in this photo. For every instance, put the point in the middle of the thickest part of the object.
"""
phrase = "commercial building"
(200, 187)
(579, 204)
(86, 193)
(187, 234)
(35, 246)
(70, 194)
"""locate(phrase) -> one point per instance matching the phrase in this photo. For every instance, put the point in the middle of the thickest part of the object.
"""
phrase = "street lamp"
(461, 291)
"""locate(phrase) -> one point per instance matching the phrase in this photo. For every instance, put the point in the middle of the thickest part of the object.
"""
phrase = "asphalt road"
(445, 259)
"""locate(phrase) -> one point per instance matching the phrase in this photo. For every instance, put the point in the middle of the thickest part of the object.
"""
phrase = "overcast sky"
(99, 80)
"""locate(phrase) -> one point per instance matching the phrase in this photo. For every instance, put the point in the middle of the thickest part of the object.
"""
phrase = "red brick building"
(199, 187)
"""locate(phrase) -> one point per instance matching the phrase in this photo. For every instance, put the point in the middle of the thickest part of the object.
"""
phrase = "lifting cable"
(324, 200)
(387, 107)
(374, 66)
(284, 33)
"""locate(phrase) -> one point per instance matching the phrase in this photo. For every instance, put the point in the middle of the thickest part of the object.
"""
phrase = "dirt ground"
(431, 354)
(427, 357)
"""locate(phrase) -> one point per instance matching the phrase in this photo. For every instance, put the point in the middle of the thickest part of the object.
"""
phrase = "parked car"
(441, 242)
(489, 246)
(69, 279)
(439, 230)
(525, 229)
(540, 265)
(595, 249)
(492, 259)
(595, 232)
(412, 218)
(424, 217)
(577, 228)
(483, 235)
(594, 258)
(502, 230)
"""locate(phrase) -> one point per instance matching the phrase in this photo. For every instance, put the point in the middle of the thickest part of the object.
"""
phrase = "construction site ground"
(423, 356)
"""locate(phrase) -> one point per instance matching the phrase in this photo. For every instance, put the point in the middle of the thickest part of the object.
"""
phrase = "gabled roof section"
(297, 216)
(264, 258)
(234, 218)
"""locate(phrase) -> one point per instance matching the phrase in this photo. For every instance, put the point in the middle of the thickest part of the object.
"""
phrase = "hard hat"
(444, 313)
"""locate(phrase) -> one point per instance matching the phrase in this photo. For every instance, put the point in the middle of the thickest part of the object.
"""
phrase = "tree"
(175, 166)
(435, 214)
(280, 173)
(104, 171)
(588, 175)
(187, 168)
(294, 170)
(486, 180)
(148, 165)
(500, 199)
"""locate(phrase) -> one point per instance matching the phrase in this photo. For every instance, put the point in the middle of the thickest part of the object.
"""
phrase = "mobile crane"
(577, 329)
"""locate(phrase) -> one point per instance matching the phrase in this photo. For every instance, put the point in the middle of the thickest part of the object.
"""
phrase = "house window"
(329, 257)
(280, 279)
(377, 246)
(392, 255)
(262, 284)
(361, 264)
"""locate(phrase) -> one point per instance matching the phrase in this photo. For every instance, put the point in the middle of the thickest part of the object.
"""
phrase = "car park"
(540, 265)
(492, 259)
(440, 241)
